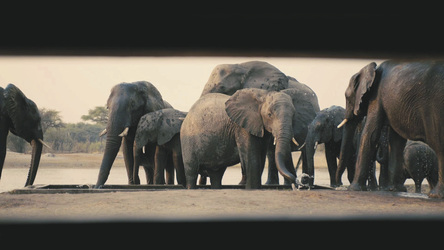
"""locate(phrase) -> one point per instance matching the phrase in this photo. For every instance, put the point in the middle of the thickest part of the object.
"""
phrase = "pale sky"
(73, 85)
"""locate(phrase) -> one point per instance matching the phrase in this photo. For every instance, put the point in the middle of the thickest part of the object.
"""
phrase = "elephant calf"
(420, 162)
(159, 133)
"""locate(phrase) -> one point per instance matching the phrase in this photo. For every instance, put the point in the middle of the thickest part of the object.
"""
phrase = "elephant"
(160, 130)
(407, 96)
(323, 129)
(127, 103)
(221, 130)
(306, 104)
(21, 116)
(420, 162)
(228, 78)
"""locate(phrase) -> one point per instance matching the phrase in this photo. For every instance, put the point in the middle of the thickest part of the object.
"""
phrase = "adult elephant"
(408, 96)
(228, 78)
(160, 131)
(220, 131)
(126, 104)
(323, 129)
(21, 116)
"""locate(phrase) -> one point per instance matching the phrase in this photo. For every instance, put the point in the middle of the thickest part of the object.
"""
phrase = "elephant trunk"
(311, 143)
(112, 147)
(347, 154)
(283, 158)
(35, 161)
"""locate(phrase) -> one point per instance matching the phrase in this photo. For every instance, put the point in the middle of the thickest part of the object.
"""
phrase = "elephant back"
(263, 75)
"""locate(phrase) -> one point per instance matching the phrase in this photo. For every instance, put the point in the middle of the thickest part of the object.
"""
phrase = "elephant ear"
(243, 108)
(363, 81)
(170, 125)
(148, 129)
(21, 110)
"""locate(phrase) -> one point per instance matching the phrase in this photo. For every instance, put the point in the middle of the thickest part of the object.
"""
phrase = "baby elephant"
(158, 139)
(420, 162)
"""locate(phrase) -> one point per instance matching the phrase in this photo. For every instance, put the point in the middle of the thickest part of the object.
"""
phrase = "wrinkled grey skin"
(306, 106)
(420, 162)
(228, 78)
(324, 129)
(407, 96)
(159, 132)
(351, 136)
(126, 104)
(21, 116)
(220, 131)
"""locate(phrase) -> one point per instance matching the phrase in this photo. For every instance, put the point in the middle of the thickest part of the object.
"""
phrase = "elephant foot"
(243, 180)
(437, 192)
(98, 186)
(357, 187)
(398, 188)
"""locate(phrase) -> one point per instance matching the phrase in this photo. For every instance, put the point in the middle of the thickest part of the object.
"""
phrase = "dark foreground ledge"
(89, 188)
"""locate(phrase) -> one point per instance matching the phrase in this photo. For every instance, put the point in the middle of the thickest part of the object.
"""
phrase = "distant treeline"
(67, 137)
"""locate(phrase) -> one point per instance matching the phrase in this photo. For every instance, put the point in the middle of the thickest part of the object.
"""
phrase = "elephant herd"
(251, 111)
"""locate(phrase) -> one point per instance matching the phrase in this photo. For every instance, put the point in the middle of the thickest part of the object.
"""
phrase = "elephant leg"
(128, 156)
(137, 158)
(160, 160)
(169, 169)
(367, 146)
(216, 177)
(332, 164)
(372, 183)
(273, 176)
(250, 149)
(3, 136)
(395, 162)
(178, 165)
(149, 174)
(191, 168)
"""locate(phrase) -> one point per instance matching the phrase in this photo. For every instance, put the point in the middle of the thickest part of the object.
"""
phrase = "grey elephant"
(221, 130)
(228, 78)
(20, 116)
(324, 129)
(420, 162)
(159, 133)
(407, 96)
(127, 103)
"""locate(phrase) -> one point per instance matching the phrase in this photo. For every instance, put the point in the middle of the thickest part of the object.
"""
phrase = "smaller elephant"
(323, 129)
(420, 162)
(159, 132)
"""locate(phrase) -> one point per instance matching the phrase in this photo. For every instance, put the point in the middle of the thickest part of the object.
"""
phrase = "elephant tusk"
(342, 123)
(316, 145)
(44, 144)
(301, 147)
(143, 149)
(102, 133)
(125, 132)
(274, 142)
(294, 141)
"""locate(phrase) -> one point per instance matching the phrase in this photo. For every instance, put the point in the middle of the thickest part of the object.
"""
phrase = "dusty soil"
(198, 204)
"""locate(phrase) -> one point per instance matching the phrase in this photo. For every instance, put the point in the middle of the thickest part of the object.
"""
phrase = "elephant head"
(323, 129)
(126, 104)
(228, 78)
(257, 111)
(21, 116)
(158, 127)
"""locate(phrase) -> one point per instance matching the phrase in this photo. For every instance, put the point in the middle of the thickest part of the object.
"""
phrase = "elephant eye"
(269, 115)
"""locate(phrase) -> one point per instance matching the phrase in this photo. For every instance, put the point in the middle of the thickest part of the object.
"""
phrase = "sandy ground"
(192, 204)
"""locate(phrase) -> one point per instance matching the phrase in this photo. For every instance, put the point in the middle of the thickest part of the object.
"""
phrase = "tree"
(50, 119)
(99, 115)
